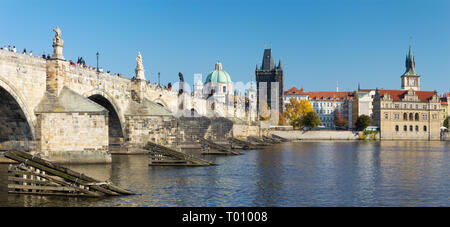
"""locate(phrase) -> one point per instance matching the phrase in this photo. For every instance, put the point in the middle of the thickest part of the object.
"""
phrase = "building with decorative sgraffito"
(408, 114)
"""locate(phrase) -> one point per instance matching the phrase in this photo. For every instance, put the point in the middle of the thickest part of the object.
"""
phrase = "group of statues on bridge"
(58, 44)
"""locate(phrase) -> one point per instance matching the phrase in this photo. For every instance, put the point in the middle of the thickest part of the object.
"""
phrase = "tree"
(446, 123)
(296, 110)
(264, 113)
(311, 120)
(339, 121)
(363, 122)
(281, 119)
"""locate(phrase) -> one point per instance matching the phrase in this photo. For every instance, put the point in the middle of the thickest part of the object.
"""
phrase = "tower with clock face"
(410, 79)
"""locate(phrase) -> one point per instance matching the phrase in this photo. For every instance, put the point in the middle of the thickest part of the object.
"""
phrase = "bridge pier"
(72, 132)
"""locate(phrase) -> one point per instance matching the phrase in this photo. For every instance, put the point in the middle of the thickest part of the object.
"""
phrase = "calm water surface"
(322, 173)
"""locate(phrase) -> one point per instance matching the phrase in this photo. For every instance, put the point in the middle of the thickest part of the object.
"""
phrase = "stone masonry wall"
(216, 129)
(242, 131)
(157, 129)
(317, 135)
(56, 137)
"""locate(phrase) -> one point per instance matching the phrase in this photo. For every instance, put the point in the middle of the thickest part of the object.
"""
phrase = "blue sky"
(319, 42)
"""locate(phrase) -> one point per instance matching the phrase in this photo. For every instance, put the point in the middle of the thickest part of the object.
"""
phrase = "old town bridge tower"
(269, 73)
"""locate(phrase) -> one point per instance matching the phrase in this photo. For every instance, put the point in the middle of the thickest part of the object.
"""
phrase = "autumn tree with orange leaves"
(296, 110)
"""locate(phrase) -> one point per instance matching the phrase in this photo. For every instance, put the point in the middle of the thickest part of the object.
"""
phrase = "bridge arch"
(16, 119)
(116, 118)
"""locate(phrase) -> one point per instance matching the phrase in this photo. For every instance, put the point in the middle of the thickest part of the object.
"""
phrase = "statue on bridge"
(181, 89)
(58, 44)
(139, 68)
(180, 75)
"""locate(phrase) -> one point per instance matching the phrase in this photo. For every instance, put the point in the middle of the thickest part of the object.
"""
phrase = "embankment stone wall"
(317, 135)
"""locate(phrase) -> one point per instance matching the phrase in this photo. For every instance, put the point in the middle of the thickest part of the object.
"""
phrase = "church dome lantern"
(218, 75)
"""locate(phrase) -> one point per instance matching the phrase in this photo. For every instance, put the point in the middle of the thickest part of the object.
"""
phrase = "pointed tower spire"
(279, 64)
(410, 62)
(410, 79)
(267, 60)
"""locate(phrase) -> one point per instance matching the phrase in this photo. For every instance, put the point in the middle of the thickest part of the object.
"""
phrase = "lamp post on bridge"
(98, 70)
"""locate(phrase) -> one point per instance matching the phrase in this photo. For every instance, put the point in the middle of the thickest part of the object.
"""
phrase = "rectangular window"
(386, 116)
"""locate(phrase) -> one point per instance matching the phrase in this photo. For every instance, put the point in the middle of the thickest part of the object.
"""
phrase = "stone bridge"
(74, 114)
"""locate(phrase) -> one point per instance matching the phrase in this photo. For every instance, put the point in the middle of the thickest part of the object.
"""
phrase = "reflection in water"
(315, 173)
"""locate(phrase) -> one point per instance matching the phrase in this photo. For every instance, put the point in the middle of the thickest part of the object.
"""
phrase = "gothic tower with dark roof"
(269, 73)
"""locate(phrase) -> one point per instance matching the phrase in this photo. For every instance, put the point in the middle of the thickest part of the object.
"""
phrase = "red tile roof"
(320, 95)
(329, 95)
(397, 95)
(294, 91)
(366, 90)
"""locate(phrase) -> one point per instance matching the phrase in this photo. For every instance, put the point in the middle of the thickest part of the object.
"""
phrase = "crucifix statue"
(58, 44)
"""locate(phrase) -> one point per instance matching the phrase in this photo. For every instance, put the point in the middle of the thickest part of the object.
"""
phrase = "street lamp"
(159, 74)
(98, 70)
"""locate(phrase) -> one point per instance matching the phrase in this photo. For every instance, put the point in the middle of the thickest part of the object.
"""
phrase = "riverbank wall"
(317, 135)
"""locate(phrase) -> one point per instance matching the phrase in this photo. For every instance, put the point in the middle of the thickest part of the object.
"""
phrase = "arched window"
(424, 128)
(411, 116)
(411, 128)
(416, 117)
(405, 128)
(405, 116)
(417, 128)
(396, 128)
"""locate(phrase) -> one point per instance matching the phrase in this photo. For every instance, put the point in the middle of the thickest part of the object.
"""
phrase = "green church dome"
(218, 75)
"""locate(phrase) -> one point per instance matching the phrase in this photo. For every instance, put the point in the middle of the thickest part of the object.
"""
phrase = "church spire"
(410, 62)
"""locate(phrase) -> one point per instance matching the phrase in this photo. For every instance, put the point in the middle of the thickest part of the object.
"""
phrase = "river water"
(316, 173)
